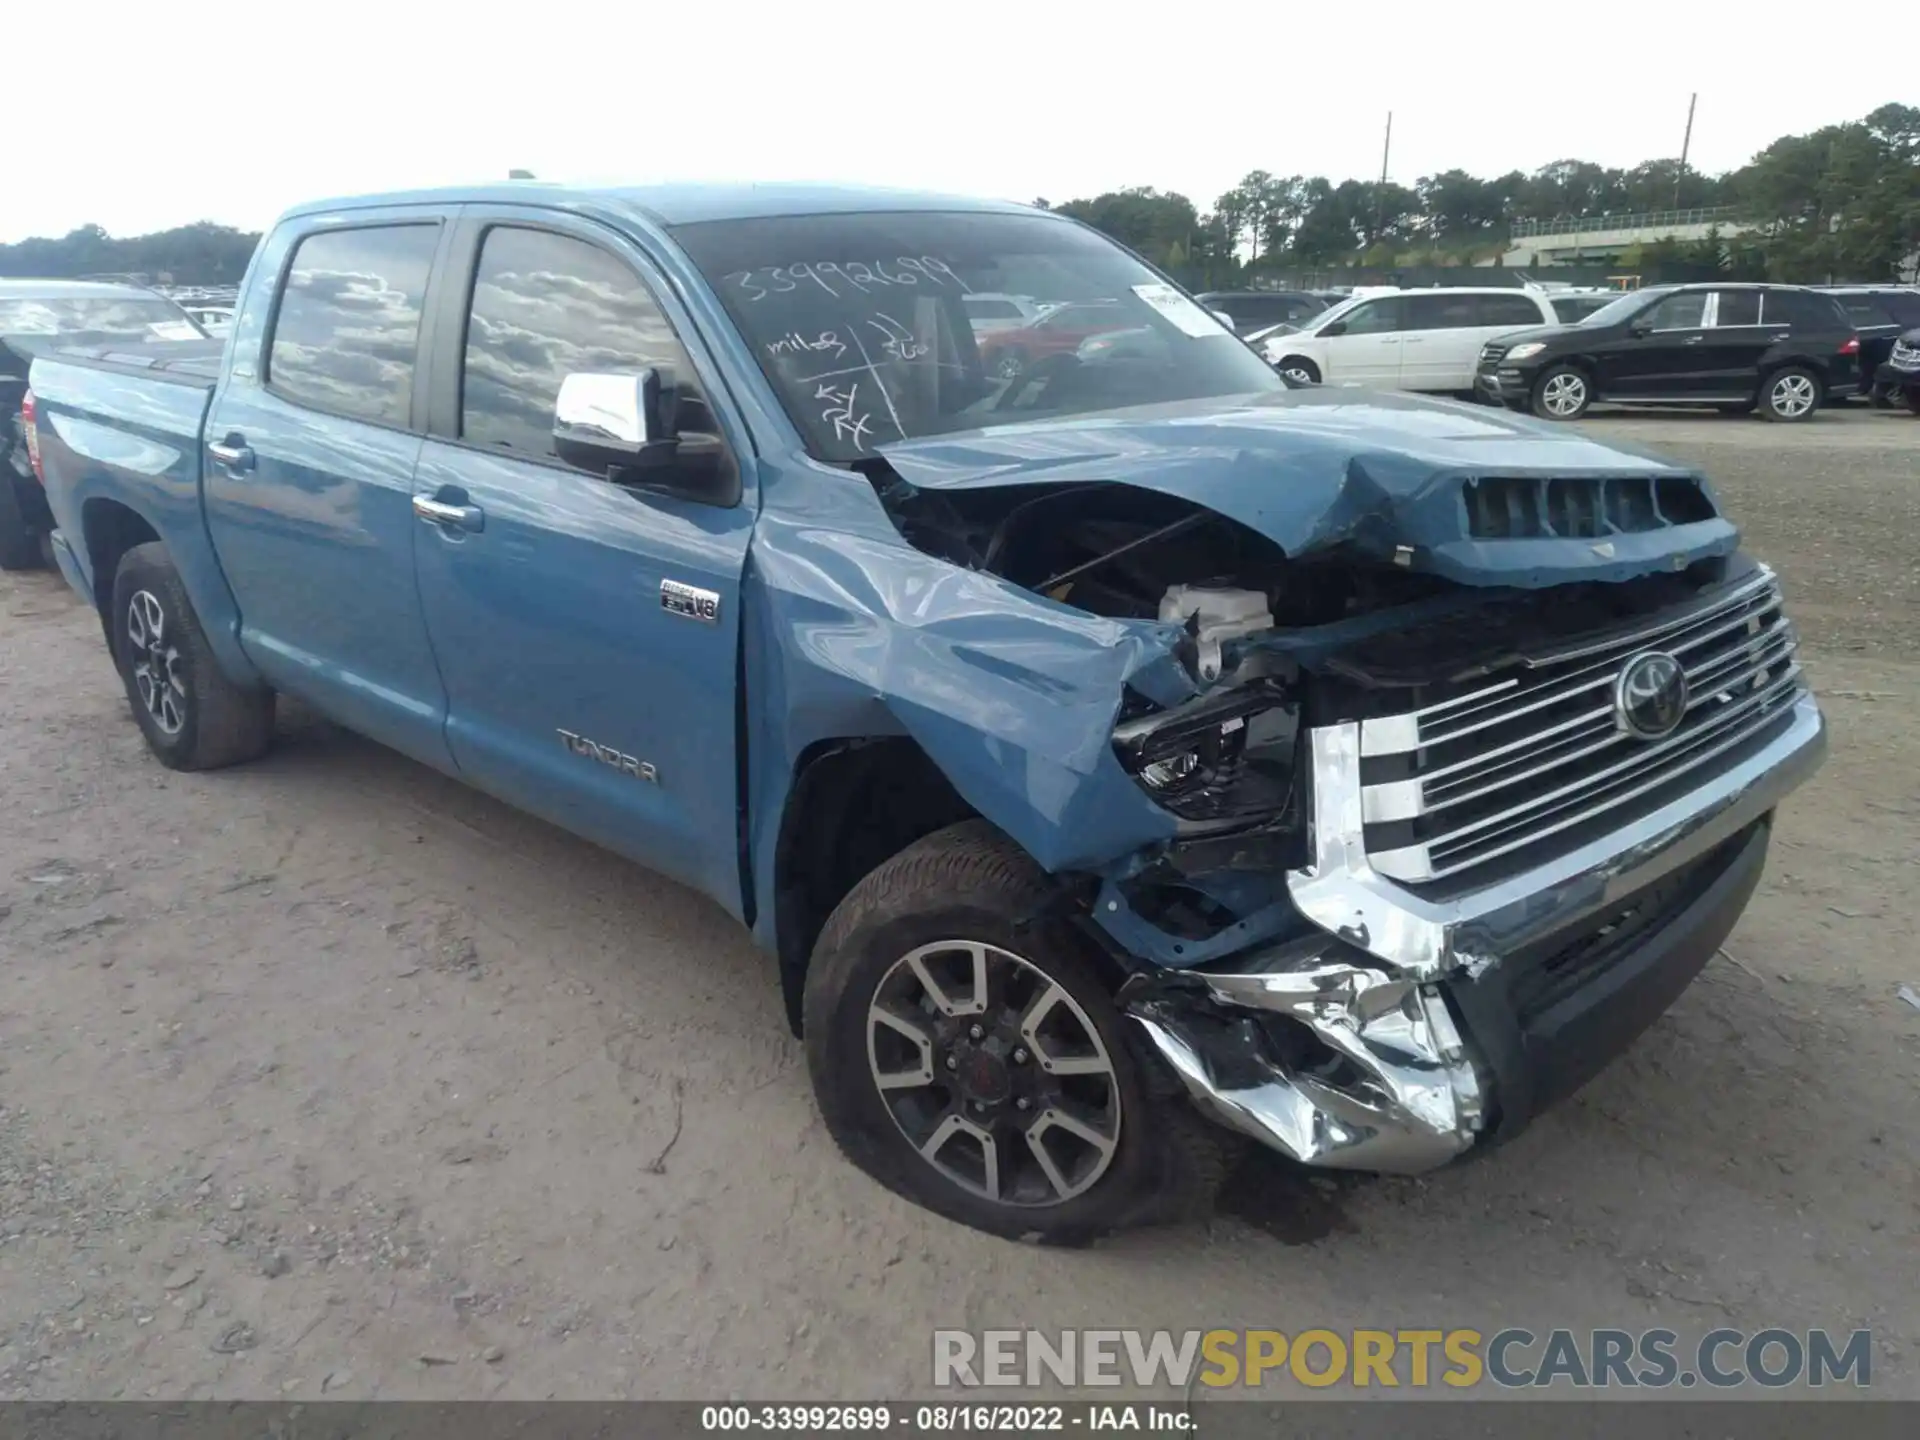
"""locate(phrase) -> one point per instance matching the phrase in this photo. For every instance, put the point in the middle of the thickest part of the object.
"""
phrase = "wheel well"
(110, 530)
(853, 805)
(1300, 360)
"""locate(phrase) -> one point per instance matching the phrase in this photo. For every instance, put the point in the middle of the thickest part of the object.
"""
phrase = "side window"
(1514, 310)
(546, 306)
(1679, 312)
(1374, 317)
(1738, 307)
(348, 326)
(1438, 310)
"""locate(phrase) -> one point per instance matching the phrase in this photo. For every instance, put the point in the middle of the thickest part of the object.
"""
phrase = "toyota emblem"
(1650, 696)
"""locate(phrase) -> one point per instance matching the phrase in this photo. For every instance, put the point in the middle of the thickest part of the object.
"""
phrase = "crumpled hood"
(1389, 474)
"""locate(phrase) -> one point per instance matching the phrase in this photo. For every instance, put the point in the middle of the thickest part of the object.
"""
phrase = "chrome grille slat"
(1601, 672)
(1753, 597)
(1512, 764)
(1780, 648)
(1451, 862)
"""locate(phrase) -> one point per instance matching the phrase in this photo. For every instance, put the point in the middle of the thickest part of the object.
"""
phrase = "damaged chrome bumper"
(1386, 1080)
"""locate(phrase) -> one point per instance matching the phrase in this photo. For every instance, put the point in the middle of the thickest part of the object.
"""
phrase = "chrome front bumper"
(1409, 1092)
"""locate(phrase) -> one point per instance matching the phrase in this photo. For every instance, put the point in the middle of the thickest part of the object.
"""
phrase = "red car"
(1006, 353)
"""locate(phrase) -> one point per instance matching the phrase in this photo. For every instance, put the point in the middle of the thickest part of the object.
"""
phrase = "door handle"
(1693, 340)
(233, 452)
(459, 517)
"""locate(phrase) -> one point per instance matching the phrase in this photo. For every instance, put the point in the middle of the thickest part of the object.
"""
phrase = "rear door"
(1733, 346)
(573, 690)
(312, 440)
(1367, 350)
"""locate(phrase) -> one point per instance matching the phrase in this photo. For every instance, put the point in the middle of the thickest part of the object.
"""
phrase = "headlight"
(1523, 352)
(1226, 758)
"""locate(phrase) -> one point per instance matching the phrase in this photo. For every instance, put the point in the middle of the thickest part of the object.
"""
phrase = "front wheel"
(1300, 370)
(1790, 395)
(966, 1053)
(1563, 393)
(192, 715)
(1912, 397)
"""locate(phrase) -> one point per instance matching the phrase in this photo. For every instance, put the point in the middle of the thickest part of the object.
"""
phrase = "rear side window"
(1738, 307)
(1905, 309)
(1804, 309)
(1863, 311)
(349, 321)
(544, 307)
(1514, 310)
(993, 310)
(1438, 310)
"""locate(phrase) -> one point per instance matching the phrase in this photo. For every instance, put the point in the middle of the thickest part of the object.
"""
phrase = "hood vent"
(1501, 507)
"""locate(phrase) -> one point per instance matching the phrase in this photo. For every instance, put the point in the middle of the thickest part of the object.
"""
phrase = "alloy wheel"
(1793, 396)
(994, 1074)
(156, 663)
(1564, 395)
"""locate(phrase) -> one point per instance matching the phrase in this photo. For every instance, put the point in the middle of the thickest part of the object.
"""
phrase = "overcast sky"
(141, 117)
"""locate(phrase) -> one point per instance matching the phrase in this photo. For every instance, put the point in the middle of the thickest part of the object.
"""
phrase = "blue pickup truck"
(1124, 757)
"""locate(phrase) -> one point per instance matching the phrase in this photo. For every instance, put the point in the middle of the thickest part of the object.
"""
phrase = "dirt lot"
(328, 1075)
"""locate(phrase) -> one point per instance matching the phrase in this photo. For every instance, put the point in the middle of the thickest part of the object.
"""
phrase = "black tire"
(1011, 365)
(969, 882)
(1912, 396)
(1791, 395)
(201, 721)
(19, 545)
(1301, 368)
(1881, 397)
(1563, 392)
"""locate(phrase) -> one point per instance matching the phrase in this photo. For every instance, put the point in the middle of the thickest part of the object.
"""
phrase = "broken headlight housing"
(1218, 761)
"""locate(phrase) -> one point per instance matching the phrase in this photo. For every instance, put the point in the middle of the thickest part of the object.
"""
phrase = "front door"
(1735, 342)
(1367, 350)
(1663, 356)
(588, 632)
(308, 473)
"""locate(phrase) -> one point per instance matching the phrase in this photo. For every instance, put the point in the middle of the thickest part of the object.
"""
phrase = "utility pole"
(1686, 144)
(1380, 194)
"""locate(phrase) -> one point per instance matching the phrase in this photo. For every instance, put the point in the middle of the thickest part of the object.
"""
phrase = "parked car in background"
(990, 313)
(1060, 330)
(36, 315)
(1880, 314)
(1573, 306)
(1253, 310)
(1897, 381)
(1405, 339)
(1111, 776)
(1783, 348)
(216, 320)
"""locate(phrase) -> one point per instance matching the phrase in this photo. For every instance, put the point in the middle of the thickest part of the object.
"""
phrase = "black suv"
(1781, 347)
(1880, 314)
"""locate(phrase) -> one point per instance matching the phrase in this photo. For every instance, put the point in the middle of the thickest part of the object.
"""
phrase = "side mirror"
(1225, 319)
(1338, 327)
(626, 429)
(1639, 330)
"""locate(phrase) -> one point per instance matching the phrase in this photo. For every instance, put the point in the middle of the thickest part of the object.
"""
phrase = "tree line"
(1840, 203)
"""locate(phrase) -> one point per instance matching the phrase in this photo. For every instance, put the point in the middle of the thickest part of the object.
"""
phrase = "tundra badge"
(625, 764)
(690, 602)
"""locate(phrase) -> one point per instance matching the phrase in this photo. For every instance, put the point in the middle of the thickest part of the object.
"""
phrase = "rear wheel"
(1563, 393)
(19, 545)
(192, 715)
(967, 1054)
(1790, 395)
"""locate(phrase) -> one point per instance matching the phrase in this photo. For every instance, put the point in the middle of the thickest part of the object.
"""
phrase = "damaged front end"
(1386, 817)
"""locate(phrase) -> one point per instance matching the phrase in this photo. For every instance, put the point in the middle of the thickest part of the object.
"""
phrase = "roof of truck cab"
(683, 204)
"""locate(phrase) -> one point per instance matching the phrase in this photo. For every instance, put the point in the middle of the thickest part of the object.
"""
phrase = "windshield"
(861, 323)
(107, 316)
(1616, 310)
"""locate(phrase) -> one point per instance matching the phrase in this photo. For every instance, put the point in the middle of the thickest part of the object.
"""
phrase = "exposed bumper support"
(1394, 1041)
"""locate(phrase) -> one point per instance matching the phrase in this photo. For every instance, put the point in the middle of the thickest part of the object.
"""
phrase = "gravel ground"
(326, 1075)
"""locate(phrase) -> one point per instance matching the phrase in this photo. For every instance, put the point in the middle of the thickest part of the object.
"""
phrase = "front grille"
(1582, 508)
(1906, 356)
(1508, 772)
(1492, 353)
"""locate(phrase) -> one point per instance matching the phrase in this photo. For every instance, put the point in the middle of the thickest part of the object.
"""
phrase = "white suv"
(1405, 339)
